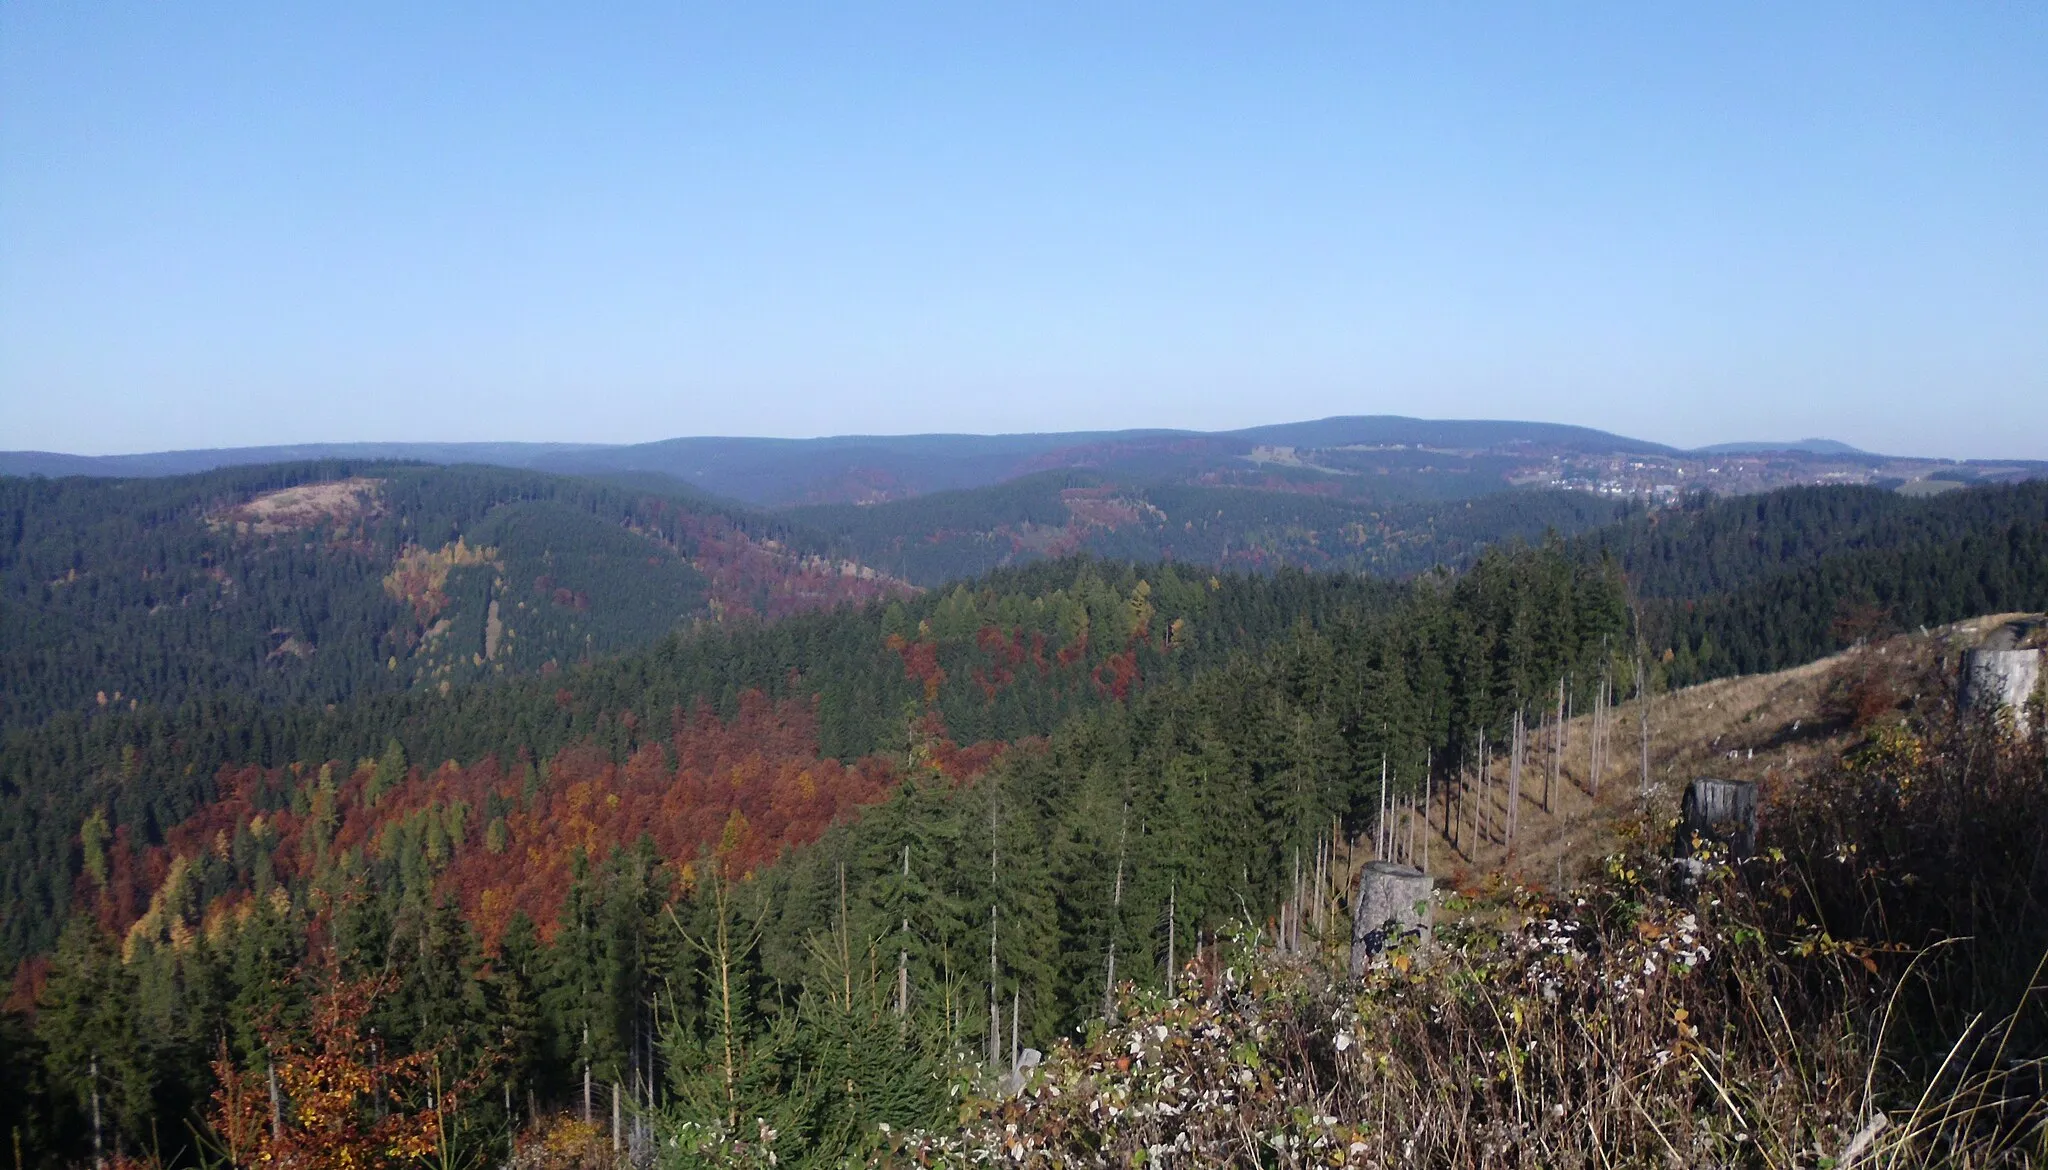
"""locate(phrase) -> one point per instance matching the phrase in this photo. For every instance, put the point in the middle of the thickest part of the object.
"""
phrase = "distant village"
(1655, 477)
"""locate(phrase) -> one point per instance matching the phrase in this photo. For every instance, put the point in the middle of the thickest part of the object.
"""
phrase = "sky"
(227, 225)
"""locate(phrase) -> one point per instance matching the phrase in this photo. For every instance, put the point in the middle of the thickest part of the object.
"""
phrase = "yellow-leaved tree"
(329, 1098)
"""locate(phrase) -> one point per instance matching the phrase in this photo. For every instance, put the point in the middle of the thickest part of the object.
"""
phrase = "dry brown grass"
(304, 506)
(1769, 728)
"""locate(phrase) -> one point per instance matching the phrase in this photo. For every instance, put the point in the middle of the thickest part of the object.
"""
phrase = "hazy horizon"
(475, 224)
(1778, 440)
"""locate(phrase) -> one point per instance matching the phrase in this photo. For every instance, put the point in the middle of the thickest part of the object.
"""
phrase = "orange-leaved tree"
(330, 1099)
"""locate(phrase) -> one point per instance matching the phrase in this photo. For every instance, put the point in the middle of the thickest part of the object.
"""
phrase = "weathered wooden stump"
(1719, 810)
(1020, 1073)
(2001, 680)
(1393, 900)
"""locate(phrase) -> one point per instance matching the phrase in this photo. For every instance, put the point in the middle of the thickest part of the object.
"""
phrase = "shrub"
(1817, 1006)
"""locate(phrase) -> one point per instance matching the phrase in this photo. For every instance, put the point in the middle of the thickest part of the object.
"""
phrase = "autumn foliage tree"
(330, 1098)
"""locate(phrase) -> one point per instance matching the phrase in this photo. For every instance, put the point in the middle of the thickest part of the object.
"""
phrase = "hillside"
(948, 535)
(1752, 585)
(317, 583)
(559, 817)
(1777, 729)
(1012, 658)
(1862, 991)
(1069, 762)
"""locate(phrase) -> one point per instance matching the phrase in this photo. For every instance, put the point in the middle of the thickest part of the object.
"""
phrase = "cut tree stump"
(1719, 810)
(2001, 680)
(1393, 901)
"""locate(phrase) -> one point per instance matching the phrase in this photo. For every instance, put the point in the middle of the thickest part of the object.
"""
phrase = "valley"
(937, 587)
(529, 745)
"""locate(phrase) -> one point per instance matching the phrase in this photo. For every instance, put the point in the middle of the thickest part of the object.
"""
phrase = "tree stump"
(1393, 901)
(1020, 1075)
(1719, 810)
(1999, 680)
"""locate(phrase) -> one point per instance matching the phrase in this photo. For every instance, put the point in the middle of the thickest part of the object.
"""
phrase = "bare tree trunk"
(1314, 889)
(1116, 904)
(1556, 750)
(1482, 829)
(276, 1109)
(99, 1160)
(845, 946)
(1468, 787)
(1428, 830)
(995, 1011)
(903, 950)
(1596, 742)
(1409, 853)
(1643, 714)
(1321, 884)
(1380, 828)
(1593, 746)
(1172, 896)
(1294, 901)
(1564, 738)
(1489, 806)
(1325, 904)
(1515, 780)
(1454, 808)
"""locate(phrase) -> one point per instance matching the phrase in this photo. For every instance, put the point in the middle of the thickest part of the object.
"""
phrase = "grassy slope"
(1770, 728)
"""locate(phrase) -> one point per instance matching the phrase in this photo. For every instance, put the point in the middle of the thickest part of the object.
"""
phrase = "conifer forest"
(359, 813)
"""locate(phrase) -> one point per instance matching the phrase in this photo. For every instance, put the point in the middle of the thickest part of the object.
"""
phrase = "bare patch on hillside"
(308, 505)
(494, 631)
(289, 645)
(1101, 508)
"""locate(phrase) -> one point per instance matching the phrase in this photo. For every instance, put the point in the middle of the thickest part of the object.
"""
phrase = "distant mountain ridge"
(1809, 446)
(158, 463)
(783, 471)
(1370, 458)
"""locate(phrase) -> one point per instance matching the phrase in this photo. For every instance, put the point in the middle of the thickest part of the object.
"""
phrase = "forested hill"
(1003, 661)
(1196, 725)
(320, 582)
(1761, 583)
(950, 535)
(1150, 748)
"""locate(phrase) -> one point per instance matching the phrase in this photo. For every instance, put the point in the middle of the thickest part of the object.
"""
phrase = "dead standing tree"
(1515, 754)
(1116, 903)
(1643, 722)
(1556, 751)
(995, 1004)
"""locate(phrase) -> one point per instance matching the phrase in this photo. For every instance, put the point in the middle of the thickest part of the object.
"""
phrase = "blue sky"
(237, 224)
